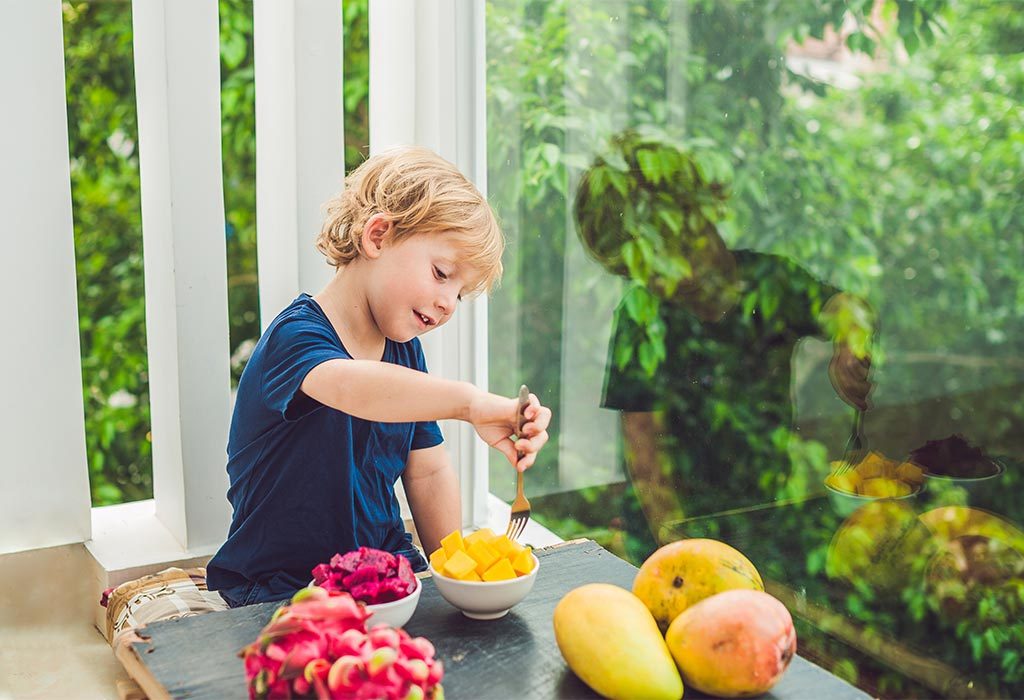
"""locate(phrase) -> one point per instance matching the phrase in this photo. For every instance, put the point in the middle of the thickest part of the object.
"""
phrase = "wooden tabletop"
(512, 657)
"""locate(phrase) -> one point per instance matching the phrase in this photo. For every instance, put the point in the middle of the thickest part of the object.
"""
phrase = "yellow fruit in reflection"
(884, 488)
(846, 482)
(879, 545)
(872, 466)
(610, 640)
(910, 473)
(685, 572)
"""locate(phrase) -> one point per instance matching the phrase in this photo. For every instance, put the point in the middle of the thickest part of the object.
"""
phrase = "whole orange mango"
(734, 644)
(686, 572)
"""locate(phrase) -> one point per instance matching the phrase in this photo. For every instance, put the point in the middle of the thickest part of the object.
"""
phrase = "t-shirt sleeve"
(295, 347)
(425, 433)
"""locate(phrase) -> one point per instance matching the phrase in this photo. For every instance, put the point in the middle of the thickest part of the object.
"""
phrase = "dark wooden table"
(513, 657)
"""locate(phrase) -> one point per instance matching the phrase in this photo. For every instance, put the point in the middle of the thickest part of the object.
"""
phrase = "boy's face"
(415, 285)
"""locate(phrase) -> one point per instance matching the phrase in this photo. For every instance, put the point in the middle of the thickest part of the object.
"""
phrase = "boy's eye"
(439, 274)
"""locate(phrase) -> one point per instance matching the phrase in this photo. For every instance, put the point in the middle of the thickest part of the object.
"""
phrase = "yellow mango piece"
(483, 554)
(459, 564)
(502, 545)
(872, 466)
(884, 488)
(484, 534)
(523, 563)
(847, 482)
(472, 576)
(910, 473)
(438, 559)
(501, 571)
(453, 543)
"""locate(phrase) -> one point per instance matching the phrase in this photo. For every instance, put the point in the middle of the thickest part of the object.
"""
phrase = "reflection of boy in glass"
(709, 430)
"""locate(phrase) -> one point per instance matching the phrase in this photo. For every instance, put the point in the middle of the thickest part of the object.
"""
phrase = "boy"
(335, 404)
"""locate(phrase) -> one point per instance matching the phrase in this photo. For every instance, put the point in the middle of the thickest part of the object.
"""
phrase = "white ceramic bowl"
(485, 600)
(396, 613)
(845, 503)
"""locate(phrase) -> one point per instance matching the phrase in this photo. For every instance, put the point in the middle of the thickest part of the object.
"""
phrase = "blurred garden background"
(876, 145)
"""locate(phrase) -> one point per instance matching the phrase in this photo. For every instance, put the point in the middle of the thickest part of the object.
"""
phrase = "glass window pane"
(748, 242)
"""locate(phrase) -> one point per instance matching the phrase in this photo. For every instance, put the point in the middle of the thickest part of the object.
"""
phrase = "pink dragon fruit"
(318, 647)
(370, 575)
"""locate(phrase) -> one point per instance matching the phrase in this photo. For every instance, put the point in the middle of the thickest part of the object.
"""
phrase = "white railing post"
(44, 500)
(427, 87)
(300, 145)
(177, 70)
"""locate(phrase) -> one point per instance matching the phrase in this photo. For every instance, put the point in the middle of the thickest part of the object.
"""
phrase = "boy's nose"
(446, 302)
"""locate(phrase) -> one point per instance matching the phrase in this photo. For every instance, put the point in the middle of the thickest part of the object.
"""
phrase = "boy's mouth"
(424, 319)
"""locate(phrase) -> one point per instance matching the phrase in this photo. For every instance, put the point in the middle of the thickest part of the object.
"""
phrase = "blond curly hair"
(419, 193)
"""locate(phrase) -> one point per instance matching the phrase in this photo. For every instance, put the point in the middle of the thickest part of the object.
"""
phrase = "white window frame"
(427, 86)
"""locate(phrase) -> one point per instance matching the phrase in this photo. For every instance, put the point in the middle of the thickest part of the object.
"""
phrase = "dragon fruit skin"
(318, 647)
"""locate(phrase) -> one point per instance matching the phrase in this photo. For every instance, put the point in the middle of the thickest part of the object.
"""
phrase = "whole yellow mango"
(685, 572)
(609, 639)
(733, 644)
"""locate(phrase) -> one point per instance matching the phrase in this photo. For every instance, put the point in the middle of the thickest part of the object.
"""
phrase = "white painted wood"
(44, 501)
(427, 82)
(177, 68)
(300, 148)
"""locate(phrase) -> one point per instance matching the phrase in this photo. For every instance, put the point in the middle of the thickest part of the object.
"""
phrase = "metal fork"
(520, 514)
(854, 452)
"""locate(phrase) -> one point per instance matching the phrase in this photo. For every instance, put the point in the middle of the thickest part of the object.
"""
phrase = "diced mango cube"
(459, 565)
(472, 576)
(438, 559)
(523, 563)
(484, 554)
(453, 543)
(501, 571)
(502, 545)
(484, 534)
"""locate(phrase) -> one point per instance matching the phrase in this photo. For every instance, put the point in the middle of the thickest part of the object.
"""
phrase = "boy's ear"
(375, 232)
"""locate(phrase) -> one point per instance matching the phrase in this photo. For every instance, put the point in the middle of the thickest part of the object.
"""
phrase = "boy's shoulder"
(301, 317)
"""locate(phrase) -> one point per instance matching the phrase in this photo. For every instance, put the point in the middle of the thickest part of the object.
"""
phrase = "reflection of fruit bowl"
(485, 600)
(970, 484)
(845, 503)
(874, 478)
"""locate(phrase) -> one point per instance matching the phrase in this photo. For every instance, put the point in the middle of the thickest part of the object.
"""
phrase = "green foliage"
(904, 192)
(103, 133)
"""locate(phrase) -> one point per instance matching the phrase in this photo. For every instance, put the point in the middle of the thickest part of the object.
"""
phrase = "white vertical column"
(427, 87)
(300, 145)
(45, 496)
(177, 72)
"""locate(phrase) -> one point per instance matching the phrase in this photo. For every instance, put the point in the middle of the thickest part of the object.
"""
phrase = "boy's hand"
(849, 376)
(494, 418)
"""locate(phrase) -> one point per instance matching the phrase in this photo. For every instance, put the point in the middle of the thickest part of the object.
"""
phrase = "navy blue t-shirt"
(307, 481)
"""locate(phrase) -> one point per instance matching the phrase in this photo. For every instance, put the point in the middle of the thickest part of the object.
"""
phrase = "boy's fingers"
(533, 444)
(526, 462)
(507, 448)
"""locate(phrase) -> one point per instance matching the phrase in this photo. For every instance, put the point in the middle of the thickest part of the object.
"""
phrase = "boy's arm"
(433, 493)
(380, 391)
(851, 322)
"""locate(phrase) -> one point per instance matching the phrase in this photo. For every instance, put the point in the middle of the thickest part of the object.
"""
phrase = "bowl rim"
(533, 572)
(1000, 470)
(383, 606)
(861, 497)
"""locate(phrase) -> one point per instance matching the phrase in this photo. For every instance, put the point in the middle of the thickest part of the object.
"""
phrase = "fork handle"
(858, 422)
(519, 481)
